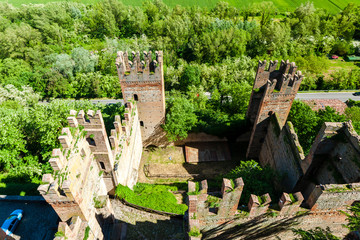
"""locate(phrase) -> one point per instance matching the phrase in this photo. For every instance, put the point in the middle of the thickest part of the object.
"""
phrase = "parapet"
(258, 205)
(333, 197)
(209, 209)
(90, 120)
(278, 80)
(123, 128)
(128, 70)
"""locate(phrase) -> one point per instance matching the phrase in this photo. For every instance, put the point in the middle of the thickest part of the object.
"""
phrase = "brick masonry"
(273, 91)
(89, 166)
(143, 81)
(320, 104)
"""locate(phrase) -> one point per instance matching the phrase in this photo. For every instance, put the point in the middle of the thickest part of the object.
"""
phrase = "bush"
(257, 180)
(194, 232)
(157, 197)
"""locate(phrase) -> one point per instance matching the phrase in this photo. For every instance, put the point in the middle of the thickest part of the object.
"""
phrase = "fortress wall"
(282, 151)
(346, 154)
(127, 147)
(333, 197)
(263, 220)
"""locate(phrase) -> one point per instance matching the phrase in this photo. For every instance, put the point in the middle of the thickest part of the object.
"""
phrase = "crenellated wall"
(126, 145)
(143, 81)
(88, 167)
(76, 179)
(273, 91)
(264, 219)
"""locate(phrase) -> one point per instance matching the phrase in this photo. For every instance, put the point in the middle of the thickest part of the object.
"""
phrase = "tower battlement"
(148, 68)
(273, 91)
(142, 80)
(269, 72)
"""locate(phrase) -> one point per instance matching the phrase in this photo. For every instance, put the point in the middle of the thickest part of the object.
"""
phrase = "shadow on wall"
(252, 229)
(113, 228)
(158, 137)
(34, 224)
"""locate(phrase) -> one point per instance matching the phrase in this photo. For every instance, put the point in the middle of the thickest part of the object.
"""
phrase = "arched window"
(136, 97)
(141, 123)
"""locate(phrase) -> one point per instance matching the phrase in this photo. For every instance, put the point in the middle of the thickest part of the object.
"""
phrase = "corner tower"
(273, 92)
(143, 81)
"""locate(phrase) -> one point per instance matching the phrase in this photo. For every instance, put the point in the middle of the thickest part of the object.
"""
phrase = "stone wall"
(76, 181)
(89, 166)
(263, 219)
(273, 91)
(333, 197)
(143, 81)
(126, 145)
(282, 151)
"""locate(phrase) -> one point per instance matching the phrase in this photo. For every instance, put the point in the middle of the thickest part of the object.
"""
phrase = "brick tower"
(273, 92)
(143, 81)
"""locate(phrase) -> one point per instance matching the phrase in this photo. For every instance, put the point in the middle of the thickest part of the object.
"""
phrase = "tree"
(190, 77)
(315, 234)
(305, 123)
(84, 61)
(180, 117)
(257, 180)
(266, 10)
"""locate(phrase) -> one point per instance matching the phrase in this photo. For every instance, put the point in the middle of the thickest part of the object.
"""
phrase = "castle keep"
(143, 81)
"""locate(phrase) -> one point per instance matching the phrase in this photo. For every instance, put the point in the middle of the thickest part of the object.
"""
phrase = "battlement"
(128, 70)
(142, 80)
(207, 208)
(273, 91)
(123, 128)
(271, 73)
(333, 197)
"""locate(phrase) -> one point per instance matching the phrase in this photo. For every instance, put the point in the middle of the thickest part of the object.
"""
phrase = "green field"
(282, 5)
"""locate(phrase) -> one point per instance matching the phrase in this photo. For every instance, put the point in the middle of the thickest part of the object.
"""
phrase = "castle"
(317, 185)
(89, 164)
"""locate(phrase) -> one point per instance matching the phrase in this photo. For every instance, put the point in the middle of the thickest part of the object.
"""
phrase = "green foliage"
(157, 197)
(67, 49)
(353, 218)
(194, 232)
(86, 234)
(32, 129)
(307, 122)
(213, 201)
(315, 234)
(180, 118)
(59, 234)
(353, 114)
(257, 180)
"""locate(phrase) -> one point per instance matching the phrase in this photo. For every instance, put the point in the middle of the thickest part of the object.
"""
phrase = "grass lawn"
(283, 5)
(157, 197)
(11, 186)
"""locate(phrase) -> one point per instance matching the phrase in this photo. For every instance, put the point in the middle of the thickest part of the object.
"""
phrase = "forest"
(65, 50)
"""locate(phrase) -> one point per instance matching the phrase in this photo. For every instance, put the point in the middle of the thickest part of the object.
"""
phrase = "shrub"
(194, 232)
(157, 197)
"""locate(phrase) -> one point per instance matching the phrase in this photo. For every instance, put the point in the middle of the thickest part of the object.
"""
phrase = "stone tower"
(273, 92)
(143, 81)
